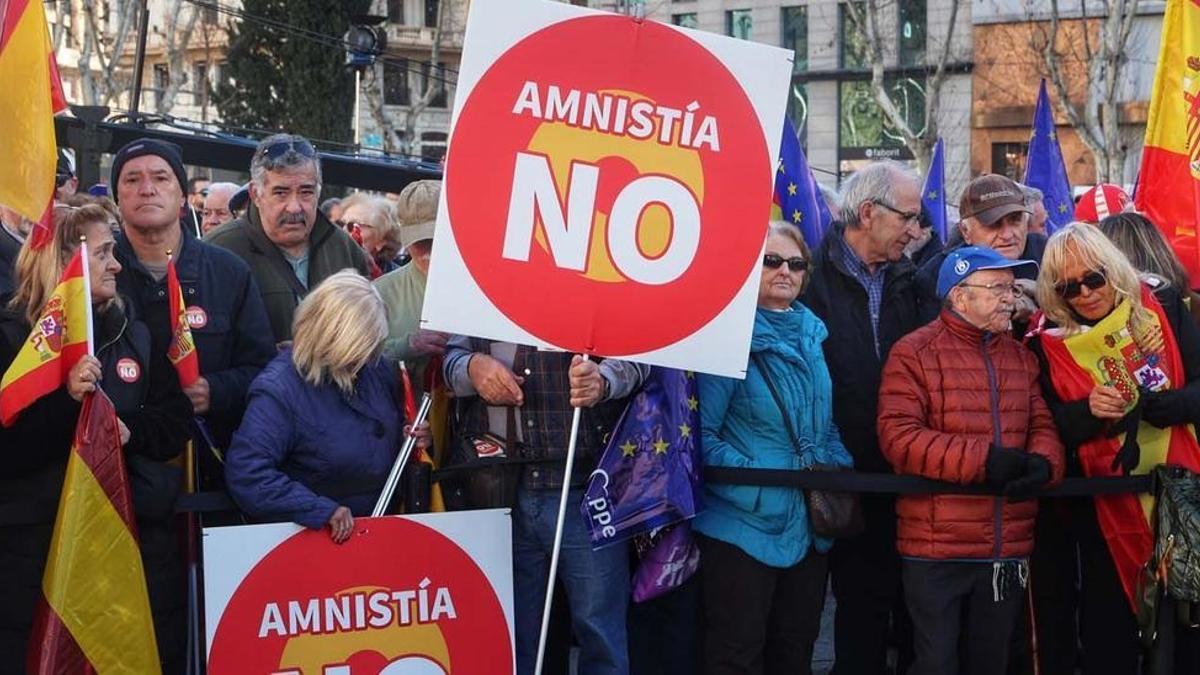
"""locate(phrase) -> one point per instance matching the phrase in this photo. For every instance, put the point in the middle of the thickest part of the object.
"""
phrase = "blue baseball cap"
(963, 262)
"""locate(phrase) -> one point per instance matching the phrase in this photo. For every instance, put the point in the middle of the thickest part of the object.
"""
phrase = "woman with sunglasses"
(764, 570)
(1120, 363)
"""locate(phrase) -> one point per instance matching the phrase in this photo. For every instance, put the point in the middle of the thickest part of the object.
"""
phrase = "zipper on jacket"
(994, 395)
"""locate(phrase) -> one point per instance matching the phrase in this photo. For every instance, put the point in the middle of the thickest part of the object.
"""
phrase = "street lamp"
(365, 42)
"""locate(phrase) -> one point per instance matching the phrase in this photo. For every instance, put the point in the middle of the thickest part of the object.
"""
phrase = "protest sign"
(420, 595)
(608, 184)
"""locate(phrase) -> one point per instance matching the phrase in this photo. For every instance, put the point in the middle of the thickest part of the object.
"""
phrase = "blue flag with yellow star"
(1044, 167)
(796, 194)
(649, 474)
(933, 195)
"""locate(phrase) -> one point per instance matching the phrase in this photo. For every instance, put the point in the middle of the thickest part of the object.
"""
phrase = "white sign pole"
(558, 533)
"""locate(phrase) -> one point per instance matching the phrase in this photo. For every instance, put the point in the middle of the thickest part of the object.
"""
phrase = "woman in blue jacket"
(324, 421)
(763, 569)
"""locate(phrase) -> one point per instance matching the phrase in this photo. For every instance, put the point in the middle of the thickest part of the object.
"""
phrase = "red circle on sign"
(601, 309)
(128, 370)
(308, 566)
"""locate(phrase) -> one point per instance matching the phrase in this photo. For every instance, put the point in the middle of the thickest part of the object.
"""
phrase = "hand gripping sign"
(607, 187)
(406, 595)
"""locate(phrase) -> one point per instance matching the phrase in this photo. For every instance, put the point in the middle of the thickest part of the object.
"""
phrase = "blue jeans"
(597, 584)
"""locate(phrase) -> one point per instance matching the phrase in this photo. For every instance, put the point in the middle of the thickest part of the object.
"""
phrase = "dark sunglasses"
(283, 146)
(774, 262)
(1069, 290)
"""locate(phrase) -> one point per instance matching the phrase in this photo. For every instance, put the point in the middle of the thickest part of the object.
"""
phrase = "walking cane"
(389, 488)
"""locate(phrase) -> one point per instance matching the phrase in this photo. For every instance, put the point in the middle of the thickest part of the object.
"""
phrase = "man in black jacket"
(996, 214)
(862, 288)
(223, 307)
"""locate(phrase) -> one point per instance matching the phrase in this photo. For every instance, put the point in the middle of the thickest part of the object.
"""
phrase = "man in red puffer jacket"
(960, 402)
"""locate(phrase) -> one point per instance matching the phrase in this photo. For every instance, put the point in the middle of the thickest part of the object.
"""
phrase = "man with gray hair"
(862, 288)
(289, 244)
(216, 206)
(1035, 199)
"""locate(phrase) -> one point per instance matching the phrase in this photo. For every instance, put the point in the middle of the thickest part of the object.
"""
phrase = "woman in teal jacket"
(763, 569)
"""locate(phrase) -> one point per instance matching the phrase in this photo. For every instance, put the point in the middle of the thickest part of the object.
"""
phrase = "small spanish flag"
(32, 95)
(58, 340)
(182, 351)
(95, 615)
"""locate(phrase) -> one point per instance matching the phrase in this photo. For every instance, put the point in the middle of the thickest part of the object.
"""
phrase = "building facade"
(829, 99)
(1009, 36)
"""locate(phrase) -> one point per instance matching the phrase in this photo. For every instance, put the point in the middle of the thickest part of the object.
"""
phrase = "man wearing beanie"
(223, 308)
(290, 245)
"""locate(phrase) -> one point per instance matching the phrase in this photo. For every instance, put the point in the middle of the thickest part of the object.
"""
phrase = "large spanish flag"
(182, 351)
(32, 95)
(96, 611)
(58, 340)
(1168, 190)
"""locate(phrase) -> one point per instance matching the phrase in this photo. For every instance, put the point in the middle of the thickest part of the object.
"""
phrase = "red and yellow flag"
(182, 351)
(1168, 190)
(58, 340)
(96, 611)
(32, 95)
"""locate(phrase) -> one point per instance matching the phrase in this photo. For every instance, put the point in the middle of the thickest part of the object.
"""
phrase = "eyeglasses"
(909, 217)
(999, 290)
(283, 146)
(774, 262)
(1069, 290)
(355, 224)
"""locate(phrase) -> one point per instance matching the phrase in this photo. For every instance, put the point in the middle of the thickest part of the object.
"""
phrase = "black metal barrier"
(843, 481)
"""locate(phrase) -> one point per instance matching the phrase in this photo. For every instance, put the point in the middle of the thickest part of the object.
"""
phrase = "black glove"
(1160, 408)
(1035, 475)
(1003, 466)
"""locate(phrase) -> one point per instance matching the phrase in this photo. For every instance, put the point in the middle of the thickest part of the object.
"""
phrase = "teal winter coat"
(741, 426)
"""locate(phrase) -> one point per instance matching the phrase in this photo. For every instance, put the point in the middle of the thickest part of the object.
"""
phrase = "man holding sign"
(608, 184)
(525, 396)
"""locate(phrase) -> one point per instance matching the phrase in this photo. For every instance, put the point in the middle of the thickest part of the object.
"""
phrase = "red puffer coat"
(949, 391)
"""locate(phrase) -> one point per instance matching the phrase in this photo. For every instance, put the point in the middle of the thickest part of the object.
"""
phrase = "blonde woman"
(324, 422)
(1120, 362)
(153, 415)
(378, 231)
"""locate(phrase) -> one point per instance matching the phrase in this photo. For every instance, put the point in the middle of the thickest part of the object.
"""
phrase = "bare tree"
(103, 45)
(178, 25)
(404, 141)
(865, 22)
(1097, 121)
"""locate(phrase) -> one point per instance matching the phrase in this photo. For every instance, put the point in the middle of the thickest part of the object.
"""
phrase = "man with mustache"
(961, 402)
(289, 244)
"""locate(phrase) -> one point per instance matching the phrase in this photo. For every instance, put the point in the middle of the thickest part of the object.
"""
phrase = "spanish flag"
(1168, 190)
(32, 95)
(58, 340)
(96, 611)
(182, 351)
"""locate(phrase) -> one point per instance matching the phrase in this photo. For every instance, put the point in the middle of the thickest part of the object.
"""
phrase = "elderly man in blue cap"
(961, 402)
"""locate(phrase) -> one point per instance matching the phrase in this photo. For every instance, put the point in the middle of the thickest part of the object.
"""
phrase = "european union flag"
(648, 476)
(933, 195)
(796, 193)
(1044, 167)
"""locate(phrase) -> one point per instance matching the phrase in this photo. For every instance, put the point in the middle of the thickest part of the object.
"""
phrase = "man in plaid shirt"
(539, 389)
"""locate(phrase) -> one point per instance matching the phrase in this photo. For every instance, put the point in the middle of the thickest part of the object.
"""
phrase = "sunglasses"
(1069, 290)
(774, 262)
(295, 144)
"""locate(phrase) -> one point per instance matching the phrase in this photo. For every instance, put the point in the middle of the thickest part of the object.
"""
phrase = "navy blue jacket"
(302, 450)
(231, 330)
(840, 301)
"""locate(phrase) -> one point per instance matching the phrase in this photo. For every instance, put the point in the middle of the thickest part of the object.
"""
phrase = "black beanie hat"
(169, 152)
